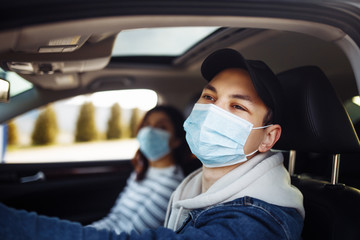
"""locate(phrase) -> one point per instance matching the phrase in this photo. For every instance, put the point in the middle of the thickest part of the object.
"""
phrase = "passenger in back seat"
(158, 170)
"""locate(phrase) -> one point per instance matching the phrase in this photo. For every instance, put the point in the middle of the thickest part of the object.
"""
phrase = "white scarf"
(263, 177)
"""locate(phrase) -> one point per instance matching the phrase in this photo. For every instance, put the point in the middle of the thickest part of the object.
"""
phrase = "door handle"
(39, 176)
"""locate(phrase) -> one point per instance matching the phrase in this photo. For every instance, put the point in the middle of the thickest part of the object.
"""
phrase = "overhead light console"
(74, 54)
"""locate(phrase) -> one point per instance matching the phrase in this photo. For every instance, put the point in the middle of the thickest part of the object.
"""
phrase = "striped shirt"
(142, 204)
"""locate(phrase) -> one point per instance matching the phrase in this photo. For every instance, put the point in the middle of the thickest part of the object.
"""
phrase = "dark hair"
(180, 154)
(268, 118)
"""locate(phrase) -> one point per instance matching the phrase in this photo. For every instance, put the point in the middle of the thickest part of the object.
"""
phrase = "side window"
(352, 106)
(99, 126)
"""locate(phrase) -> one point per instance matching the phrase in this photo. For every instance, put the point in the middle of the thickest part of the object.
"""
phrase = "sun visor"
(61, 56)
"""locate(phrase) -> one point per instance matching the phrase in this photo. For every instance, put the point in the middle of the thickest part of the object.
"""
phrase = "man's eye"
(238, 107)
(207, 97)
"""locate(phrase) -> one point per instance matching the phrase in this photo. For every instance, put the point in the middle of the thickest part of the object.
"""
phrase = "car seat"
(315, 121)
(315, 164)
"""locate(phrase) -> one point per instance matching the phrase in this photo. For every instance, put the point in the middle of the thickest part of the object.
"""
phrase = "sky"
(140, 98)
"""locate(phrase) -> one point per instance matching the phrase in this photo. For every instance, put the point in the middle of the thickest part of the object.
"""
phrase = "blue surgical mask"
(217, 137)
(153, 142)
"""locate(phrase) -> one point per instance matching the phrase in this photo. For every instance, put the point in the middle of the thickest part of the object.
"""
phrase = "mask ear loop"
(252, 153)
(262, 127)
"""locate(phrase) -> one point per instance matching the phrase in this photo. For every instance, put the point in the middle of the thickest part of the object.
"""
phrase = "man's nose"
(221, 103)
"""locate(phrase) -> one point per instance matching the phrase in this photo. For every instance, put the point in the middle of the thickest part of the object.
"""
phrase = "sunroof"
(169, 41)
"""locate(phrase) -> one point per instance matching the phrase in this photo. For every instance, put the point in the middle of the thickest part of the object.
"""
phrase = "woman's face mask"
(154, 142)
(217, 137)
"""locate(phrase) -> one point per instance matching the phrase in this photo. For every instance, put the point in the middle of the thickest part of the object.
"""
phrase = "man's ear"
(271, 136)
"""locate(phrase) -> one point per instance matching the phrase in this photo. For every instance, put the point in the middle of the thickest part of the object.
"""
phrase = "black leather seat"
(315, 121)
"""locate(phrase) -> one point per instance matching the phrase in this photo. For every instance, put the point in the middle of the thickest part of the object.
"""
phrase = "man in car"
(242, 191)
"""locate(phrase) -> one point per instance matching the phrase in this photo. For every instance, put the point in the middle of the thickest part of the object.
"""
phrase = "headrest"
(315, 120)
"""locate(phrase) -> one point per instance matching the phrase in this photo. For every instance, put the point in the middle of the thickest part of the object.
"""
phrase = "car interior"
(314, 49)
(310, 117)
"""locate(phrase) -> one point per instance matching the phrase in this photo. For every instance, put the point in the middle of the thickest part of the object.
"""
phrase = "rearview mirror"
(4, 90)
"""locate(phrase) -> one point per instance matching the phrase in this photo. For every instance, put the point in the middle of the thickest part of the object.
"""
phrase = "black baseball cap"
(264, 80)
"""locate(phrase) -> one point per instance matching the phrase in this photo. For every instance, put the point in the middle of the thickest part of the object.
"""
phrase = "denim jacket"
(243, 218)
